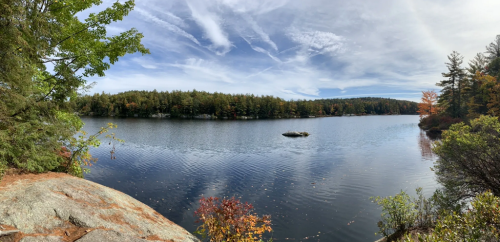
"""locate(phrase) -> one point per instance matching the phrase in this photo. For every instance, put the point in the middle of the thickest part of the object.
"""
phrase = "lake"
(315, 188)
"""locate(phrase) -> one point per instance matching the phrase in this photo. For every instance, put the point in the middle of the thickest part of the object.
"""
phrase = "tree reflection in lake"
(426, 143)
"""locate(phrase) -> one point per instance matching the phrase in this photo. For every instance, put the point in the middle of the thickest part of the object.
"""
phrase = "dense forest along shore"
(205, 105)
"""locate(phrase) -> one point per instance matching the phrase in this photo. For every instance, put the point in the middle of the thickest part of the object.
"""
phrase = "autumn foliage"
(230, 220)
(428, 105)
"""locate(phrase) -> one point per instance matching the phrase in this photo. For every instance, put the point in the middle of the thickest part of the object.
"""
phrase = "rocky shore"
(54, 207)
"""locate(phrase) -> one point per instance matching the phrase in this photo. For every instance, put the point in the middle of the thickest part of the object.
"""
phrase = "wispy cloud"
(202, 70)
(254, 7)
(212, 26)
(258, 30)
(170, 27)
(261, 50)
(300, 49)
(144, 63)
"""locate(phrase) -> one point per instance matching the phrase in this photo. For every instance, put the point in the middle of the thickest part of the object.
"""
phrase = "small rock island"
(295, 134)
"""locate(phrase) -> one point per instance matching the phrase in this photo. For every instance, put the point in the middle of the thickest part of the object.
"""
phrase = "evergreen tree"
(144, 103)
(477, 64)
(452, 86)
(493, 49)
(473, 91)
(36, 119)
(493, 68)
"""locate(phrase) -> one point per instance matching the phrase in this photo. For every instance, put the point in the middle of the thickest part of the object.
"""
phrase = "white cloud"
(204, 70)
(256, 7)
(343, 84)
(173, 18)
(144, 63)
(318, 42)
(298, 49)
(167, 25)
(211, 24)
(261, 50)
(255, 27)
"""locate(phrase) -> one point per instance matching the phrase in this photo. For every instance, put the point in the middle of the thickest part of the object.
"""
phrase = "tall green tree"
(473, 92)
(36, 119)
(493, 49)
(477, 64)
(493, 68)
(453, 85)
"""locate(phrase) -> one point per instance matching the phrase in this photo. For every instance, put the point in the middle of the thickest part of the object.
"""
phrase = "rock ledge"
(56, 207)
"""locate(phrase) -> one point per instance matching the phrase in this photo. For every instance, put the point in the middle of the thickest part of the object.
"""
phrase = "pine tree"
(477, 64)
(493, 49)
(473, 92)
(452, 86)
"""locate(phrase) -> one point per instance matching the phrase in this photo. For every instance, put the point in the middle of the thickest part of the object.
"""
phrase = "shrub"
(401, 213)
(445, 122)
(398, 213)
(469, 161)
(230, 220)
(480, 223)
(426, 211)
(429, 121)
(445, 203)
(438, 122)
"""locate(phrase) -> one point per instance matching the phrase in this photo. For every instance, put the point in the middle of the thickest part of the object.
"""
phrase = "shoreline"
(209, 117)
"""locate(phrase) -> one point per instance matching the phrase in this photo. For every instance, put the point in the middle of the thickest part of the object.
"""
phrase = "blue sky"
(299, 49)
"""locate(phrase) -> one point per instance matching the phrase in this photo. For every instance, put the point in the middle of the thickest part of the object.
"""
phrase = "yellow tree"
(484, 98)
(494, 102)
(428, 105)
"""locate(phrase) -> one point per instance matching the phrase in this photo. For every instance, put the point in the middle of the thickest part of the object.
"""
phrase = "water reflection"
(315, 188)
(426, 143)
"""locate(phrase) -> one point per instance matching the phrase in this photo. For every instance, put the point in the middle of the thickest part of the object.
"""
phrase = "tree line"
(193, 103)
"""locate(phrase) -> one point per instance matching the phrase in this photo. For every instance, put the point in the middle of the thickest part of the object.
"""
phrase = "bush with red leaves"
(438, 122)
(230, 220)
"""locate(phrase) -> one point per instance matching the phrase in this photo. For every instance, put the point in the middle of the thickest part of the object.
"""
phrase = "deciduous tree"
(428, 105)
(36, 118)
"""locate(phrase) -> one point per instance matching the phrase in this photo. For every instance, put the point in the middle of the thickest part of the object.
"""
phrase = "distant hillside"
(194, 103)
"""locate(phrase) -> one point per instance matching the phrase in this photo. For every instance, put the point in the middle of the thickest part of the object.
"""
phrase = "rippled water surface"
(315, 188)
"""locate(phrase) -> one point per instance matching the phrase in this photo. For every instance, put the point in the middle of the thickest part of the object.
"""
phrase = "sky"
(297, 49)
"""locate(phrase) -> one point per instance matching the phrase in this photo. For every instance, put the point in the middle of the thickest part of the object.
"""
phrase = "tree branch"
(46, 79)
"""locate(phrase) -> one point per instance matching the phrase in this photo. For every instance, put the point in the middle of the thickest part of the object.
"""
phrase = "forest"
(232, 106)
(467, 91)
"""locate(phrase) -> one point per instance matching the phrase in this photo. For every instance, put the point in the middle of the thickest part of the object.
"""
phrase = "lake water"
(315, 188)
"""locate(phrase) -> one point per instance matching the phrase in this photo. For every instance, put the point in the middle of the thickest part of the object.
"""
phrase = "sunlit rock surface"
(59, 207)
